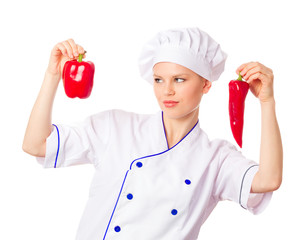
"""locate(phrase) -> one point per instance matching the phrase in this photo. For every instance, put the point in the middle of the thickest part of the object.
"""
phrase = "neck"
(176, 129)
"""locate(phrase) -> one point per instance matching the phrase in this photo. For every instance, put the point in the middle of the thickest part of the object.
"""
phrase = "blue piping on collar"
(164, 131)
(168, 149)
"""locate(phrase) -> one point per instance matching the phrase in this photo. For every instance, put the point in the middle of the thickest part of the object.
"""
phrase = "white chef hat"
(189, 47)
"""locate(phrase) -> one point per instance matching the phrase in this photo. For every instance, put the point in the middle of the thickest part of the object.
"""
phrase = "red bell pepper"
(238, 90)
(78, 78)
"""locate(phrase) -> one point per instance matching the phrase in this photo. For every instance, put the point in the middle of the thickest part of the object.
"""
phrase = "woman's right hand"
(60, 54)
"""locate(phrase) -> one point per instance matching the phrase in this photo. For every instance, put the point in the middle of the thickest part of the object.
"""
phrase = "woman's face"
(178, 89)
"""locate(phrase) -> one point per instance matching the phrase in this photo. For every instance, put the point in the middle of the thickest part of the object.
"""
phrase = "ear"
(207, 86)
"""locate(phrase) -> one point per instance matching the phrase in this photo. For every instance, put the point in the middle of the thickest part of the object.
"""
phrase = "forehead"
(169, 68)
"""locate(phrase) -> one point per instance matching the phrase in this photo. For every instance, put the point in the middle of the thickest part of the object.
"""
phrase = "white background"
(36, 203)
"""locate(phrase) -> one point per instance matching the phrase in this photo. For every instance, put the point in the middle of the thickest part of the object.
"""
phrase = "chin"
(176, 114)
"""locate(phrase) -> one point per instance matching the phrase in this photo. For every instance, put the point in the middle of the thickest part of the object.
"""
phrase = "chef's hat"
(189, 47)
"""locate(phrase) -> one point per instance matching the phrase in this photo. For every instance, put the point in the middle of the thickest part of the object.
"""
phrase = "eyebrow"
(175, 76)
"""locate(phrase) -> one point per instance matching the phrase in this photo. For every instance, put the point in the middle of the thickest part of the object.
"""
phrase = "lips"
(169, 103)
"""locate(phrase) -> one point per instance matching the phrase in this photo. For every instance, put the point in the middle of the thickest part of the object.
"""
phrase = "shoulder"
(126, 117)
(223, 145)
(216, 143)
(118, 117)
(218, 147)
(116, 114)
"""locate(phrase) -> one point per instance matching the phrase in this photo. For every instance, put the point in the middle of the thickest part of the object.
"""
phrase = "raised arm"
(269, 176)
(39, 125)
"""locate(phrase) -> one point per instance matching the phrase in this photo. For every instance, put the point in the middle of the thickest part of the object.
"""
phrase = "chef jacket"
(142, 188)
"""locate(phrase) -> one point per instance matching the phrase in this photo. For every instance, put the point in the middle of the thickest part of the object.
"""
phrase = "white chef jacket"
(142, 189)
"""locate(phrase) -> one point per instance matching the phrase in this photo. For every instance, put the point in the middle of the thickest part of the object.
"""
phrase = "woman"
(158, 176)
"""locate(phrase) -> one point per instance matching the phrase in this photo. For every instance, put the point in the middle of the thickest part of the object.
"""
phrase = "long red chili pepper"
(238, 90)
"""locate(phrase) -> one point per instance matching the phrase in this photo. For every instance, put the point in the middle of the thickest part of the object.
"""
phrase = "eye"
(179, 80)
(158, 80)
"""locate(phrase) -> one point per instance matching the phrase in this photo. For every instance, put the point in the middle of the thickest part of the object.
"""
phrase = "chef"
(158, 176)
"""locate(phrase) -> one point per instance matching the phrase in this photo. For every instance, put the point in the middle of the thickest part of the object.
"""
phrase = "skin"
(173, 82)
(168, 85)
(39, 125)
(260, 79)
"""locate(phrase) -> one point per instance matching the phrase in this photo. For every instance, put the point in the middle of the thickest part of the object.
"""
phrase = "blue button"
(117, 229)
(139, 164)
(129, 196)
(174, 212)
(187, 181)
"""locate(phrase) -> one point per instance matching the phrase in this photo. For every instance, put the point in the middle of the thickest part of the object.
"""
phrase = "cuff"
(52, 149)
(253, 202)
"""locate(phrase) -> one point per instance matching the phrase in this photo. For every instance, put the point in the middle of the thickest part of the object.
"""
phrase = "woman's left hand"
(260, 80)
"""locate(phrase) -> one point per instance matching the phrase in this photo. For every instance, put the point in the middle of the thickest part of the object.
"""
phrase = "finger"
(68, 49)
(251, 71)
(248, 67)
(74, 47)
(61, 48)
(239, 69)
(81, 50)
(255, 76)
(243, 67)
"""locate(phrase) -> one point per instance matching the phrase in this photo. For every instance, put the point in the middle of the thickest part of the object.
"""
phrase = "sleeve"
(80, 144)
(234, 180)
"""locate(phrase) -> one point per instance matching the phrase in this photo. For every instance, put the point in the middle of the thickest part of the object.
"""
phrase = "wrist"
(269, 101)
(269, 104)
(56, 77)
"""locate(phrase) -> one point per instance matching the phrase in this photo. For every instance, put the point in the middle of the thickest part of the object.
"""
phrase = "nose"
(169, 89)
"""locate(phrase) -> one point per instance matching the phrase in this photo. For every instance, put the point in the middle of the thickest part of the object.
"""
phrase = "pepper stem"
(81, 57)
(240, 77)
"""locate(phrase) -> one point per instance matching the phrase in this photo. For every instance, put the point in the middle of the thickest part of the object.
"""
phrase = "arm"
(39, 125)
(269, 176)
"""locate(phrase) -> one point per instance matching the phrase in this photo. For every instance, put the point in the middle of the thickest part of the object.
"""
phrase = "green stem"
(81, 57)
(240, 77)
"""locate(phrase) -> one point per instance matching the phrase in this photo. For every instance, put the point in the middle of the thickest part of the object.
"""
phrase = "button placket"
(126, 195)
(174, 211)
